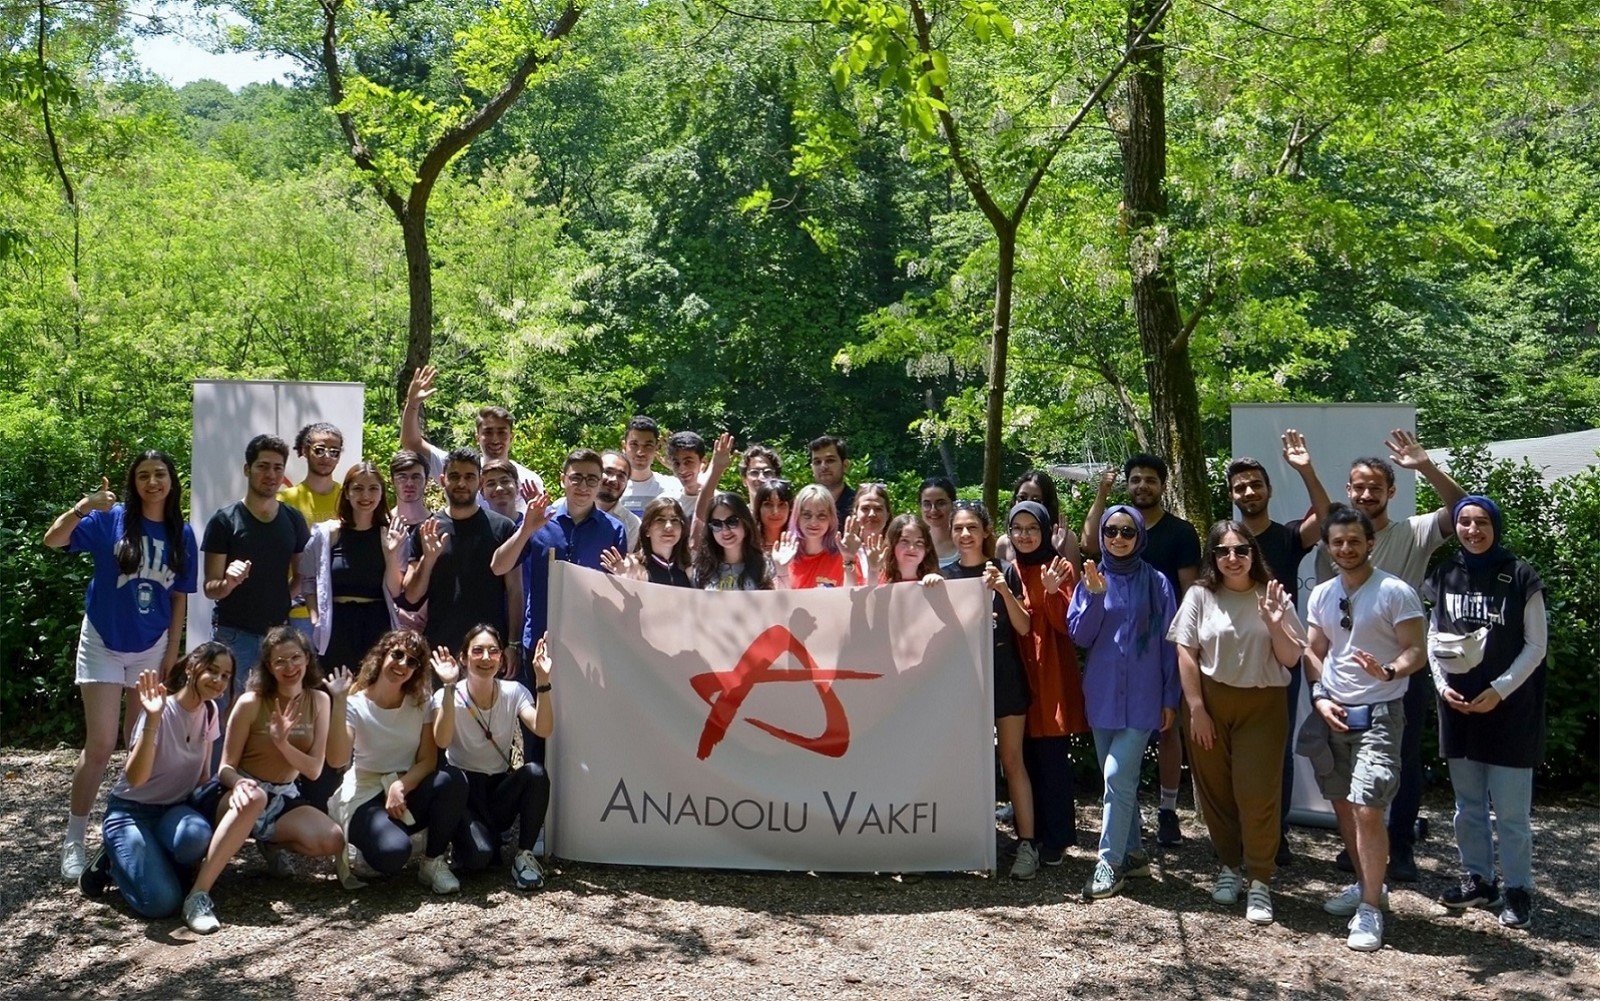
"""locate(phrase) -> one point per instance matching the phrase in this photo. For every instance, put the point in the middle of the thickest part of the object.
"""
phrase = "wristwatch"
(1388, 671)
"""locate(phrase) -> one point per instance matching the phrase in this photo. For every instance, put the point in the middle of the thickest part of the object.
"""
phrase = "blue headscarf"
(1496, 553)
(1141, 582)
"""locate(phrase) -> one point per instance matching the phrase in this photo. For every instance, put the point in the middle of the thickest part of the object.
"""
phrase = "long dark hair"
(1210, 577)
(708, 559)
(204, 655)
(347, 511)
(655, 511)
(891, 537)
(1048, 496)
(978, 511)
(263, 682)
(129, 551)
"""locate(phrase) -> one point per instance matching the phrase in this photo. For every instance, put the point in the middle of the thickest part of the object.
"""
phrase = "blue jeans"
(147, 843)
(1509, 792)
(1120, 753)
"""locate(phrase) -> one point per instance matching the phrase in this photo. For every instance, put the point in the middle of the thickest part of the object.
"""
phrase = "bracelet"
(75, 511)
(542, 688)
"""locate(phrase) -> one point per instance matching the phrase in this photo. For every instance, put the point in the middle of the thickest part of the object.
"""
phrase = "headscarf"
(1141, 583)
(1496, 553)
(1047, 549)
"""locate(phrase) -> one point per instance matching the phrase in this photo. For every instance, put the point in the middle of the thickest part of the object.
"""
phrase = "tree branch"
(1181, 342)
(347, 122)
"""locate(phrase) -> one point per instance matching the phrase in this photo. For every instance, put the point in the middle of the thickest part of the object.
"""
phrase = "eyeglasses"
(1029, 530)
(1347, 614)
(591, 481)
(1126, 531)
(326, 451)
(722, 524)
(762, 472)
(1240, 551)
(290, 660)
(399, 656)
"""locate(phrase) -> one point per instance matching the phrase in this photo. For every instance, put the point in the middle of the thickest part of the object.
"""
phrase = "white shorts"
(97, 665)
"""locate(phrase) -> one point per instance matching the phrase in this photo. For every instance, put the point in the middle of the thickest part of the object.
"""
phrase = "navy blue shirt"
(579, 542)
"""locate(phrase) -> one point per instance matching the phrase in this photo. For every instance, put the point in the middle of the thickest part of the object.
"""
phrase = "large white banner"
(836, 730)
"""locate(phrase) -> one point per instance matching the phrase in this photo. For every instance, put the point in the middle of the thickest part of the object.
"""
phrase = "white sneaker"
(1366, 929)
(74, 859)
(1227, 888)
(1349, 901)
(198, 913)
(435, 874)
(525, 871)
(1258, 904)
(1026, 864)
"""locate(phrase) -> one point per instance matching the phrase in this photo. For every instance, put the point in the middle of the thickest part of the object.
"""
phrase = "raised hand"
(620, 565)
(1108, 479)
(1405, 450)
(784, 552)
(874, 550)
(152, 693)
(1272, 604)
(536, 513)
(1093, 580)
(721, 455)
(1058, 538)
(850, 538)
(994, 579)
(433, 541)
(238, 571)
(541, 662)
(338, 682)
(281, 723)
(1295, 451)
(1058, 574)
(394, 537)
(102, 499)
(1370, 664)
(445, 667)
(421, 384)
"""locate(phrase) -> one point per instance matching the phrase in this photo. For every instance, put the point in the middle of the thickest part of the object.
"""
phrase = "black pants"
(1055, 816)
(494, 803)
(357, 625)
(437, 806)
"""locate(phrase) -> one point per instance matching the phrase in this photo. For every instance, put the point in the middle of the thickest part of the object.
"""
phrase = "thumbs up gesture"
(102, 499)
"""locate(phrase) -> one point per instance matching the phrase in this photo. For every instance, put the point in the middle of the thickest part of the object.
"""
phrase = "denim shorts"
(1366, 763)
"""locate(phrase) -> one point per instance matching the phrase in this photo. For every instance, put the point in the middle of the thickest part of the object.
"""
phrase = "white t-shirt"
(469, 748)
(436, 457)
(1402, 547)
(385, 739)
(630, 523)
(638, 493)
(1234, 642)
(1376, 608)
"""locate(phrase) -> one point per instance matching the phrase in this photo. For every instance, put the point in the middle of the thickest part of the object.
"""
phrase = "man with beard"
(613, 480)
(1283, 547)
(1173, 549)
(316, 496)
(250, 550)
(1402, 547)
(450, 563)
(493, 432)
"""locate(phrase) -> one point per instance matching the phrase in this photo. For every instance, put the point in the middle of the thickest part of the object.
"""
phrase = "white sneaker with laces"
(1366, 929)
(1349, 901)
(1258, 904)
(74, 859)
(526, 872)
(435, 874)
(1227, 889)
(1026, 864)
(198, 913)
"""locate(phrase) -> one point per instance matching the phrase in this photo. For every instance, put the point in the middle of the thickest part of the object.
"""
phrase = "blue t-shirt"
(131, 612)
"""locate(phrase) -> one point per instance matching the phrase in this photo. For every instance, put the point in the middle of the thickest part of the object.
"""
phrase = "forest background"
(972, 236)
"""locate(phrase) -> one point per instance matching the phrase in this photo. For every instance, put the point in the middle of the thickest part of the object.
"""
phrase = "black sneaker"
(1473, 891)
(1518, 911)
(1342, 861)
(96, 876)
(1052, 856)
(1168, 833)
(1403, 868)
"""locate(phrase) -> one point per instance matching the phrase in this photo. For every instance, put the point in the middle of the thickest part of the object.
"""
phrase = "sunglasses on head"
(1126, 531)
(1241, 550)
(722, 524)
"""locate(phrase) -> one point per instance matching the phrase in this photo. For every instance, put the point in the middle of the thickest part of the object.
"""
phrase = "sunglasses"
(1126, 531)
(722, 524)
(1242, 550)
(762, 472)
(1346, 615)
(326, 451)
(399, 656)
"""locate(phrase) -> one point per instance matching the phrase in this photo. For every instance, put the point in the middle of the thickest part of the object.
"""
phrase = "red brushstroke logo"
(725, 691)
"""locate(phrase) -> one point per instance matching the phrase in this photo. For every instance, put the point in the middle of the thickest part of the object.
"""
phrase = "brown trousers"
(1240, 780)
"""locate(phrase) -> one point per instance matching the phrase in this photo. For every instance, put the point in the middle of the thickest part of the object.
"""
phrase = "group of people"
(1131, 631)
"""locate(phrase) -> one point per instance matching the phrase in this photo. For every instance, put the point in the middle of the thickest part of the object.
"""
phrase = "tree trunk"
(419, 287)
(1174, 399)
(1006, 261)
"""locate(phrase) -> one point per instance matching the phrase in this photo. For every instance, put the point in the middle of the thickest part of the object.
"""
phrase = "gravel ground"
(622, 932)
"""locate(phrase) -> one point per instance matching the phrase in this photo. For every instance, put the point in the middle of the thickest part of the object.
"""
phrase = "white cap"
(1458, 653)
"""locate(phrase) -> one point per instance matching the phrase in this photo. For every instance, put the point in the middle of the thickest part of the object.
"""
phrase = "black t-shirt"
(844, 504)
(1173, 545)
(262, 600)
(666, 573)
(1005, 637)
(356, 563)
(463, 591)
(1281, 546)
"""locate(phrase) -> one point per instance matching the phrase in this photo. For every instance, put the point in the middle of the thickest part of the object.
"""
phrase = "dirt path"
(617, 932)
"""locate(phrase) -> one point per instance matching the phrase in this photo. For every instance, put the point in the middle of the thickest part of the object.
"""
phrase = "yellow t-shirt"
(314, 507)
